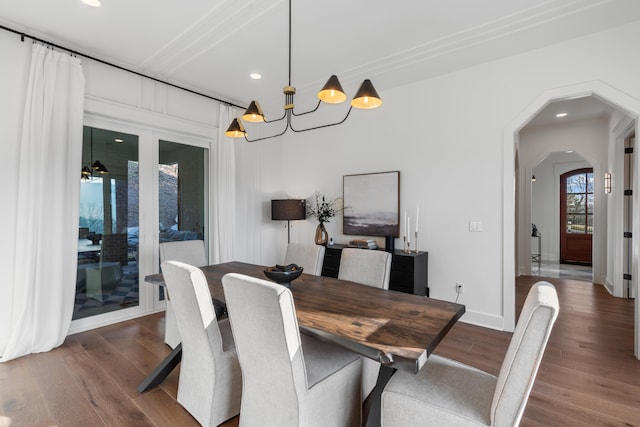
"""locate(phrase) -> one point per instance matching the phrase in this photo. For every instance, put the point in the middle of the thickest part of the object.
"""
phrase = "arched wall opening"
(512, 182)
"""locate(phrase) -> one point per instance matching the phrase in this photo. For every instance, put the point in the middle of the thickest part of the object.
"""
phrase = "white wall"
(451, 158)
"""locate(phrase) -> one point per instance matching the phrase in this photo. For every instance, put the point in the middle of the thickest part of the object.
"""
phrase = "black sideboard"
(409, 271)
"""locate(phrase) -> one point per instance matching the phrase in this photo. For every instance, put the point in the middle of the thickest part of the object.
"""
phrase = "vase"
(322, 237)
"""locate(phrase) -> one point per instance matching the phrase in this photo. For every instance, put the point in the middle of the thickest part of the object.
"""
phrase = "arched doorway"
(513, 232)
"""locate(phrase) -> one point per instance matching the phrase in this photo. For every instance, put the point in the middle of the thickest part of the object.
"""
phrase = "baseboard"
(106, 319)
(484, 320)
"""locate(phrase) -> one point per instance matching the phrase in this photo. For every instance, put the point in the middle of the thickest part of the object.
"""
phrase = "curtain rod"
(102, 61)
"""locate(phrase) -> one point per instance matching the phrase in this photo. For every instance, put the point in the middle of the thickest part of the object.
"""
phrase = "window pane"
(589, 224)
(576, 184)
(182, 198)
(575, 203)
(107, 276)
(575, 223)
(590, 202)
(590, 183)
(182, 175)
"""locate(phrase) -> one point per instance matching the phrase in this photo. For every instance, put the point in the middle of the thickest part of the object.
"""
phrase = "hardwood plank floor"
(588, 376)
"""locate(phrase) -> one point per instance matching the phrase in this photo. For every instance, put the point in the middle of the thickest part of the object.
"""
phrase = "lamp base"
(389, 243)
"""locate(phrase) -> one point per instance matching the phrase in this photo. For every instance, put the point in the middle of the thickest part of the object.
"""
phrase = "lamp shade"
(253, 113)
(288, 209)
(85, 173)
(236, 130)
(332, 91)
(99, 167)
(366, 98)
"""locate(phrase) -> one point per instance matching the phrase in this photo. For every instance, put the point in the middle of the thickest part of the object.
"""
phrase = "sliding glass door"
(107, 269)
(139, 188)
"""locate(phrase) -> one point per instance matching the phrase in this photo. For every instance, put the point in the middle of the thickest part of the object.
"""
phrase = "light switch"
(475, 225)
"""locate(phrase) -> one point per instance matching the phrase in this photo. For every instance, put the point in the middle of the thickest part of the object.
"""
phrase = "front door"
(576, 216)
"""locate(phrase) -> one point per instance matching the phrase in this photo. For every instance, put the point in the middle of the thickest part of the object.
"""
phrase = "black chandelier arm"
(288, 125)
(276, 120)
(323, 126)
(307, 112)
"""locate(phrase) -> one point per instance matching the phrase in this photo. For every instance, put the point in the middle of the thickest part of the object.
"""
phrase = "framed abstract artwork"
(372, 204)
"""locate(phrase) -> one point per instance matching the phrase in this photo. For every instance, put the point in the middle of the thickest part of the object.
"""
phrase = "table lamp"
(288, 210)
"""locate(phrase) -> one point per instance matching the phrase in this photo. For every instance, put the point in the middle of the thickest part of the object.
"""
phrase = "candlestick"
(404, 243)
(408, 230)
(416, 242)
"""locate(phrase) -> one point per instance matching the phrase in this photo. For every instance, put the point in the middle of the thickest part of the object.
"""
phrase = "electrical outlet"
(459, 288)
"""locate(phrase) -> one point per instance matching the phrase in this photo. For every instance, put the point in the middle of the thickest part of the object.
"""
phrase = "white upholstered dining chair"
(210, 383)
(371, 268)
(365, 266)
(288, 378)
(308, 256)
(446, 392)
(191, 252)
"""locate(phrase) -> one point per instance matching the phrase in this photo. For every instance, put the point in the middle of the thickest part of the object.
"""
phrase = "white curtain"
(253, 207)
(224, 190)
(42, 289)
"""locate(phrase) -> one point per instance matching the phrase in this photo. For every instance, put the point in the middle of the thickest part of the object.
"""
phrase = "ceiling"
(578, 109)
(212, 46)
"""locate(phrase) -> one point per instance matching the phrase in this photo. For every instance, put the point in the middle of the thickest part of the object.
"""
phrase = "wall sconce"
(287, 210)
(533, 178)
(607, 182)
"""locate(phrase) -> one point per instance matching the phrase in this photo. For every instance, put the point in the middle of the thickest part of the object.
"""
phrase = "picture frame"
(372, 204)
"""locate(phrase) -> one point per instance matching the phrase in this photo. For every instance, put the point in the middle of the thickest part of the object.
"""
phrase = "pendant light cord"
(289, 42)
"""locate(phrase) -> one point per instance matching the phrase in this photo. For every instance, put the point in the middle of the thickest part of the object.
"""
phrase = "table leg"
(371, 409)
(162, 370)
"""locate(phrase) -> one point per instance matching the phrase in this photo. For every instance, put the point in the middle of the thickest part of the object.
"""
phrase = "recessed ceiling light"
(255, 76)
(119, 140)
(569, 151)
(560, 115)
(93, 3)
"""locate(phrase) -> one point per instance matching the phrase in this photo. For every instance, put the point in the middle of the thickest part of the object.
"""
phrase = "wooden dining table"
(397, 329)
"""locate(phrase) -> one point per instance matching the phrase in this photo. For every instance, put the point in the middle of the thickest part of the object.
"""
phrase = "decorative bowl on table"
(283, 274)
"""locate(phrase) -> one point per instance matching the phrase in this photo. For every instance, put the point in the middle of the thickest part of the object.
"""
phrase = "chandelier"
(366, 98)
(86, 173)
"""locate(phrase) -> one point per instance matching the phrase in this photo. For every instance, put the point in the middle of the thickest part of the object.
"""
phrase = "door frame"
(149, 127)
(563, 214)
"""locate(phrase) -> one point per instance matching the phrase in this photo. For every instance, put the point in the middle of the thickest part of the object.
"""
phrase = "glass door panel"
(182, 198)
(107, 269)
(576, 216)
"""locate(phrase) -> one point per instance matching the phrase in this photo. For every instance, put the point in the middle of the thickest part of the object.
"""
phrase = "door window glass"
(107, 267)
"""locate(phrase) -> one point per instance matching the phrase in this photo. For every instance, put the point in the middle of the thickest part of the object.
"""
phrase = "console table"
(409, 271)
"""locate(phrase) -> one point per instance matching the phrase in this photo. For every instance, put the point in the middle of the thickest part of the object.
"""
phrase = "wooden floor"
(588, 376)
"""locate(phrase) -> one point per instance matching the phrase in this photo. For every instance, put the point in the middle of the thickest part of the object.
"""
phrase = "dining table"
(397, 329)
